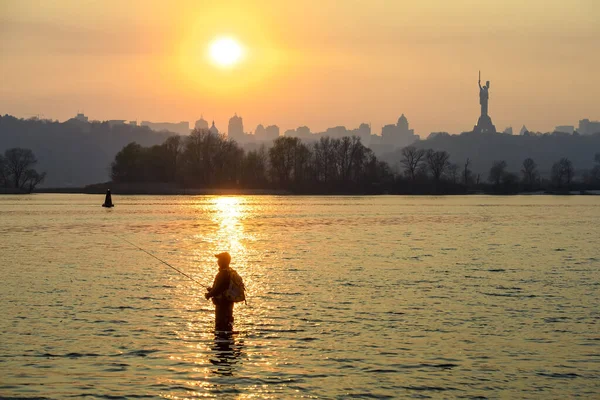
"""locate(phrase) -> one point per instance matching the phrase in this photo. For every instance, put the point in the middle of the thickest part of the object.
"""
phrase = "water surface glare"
(348, 297)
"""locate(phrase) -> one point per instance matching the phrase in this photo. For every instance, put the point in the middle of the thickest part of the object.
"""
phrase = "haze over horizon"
(312, 63)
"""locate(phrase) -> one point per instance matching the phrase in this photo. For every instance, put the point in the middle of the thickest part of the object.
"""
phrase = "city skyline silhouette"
(303, 65)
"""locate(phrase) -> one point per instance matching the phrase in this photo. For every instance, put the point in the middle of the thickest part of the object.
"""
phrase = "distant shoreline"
(169, 190)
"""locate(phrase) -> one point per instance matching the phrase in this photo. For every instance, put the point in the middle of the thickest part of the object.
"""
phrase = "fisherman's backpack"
(236, 289)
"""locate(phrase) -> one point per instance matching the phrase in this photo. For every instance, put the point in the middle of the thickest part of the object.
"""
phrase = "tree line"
(329, 165)
(16, 171)
(205, 159)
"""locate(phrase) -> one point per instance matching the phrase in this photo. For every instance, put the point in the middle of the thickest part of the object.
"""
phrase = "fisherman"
(223, 304)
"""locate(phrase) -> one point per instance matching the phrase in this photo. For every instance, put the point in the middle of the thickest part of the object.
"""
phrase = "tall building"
(268, 134)
(587, 127)
(398, 135)
(81, 117)
(565, 129)
(116, 122)
(235, 130)
(336, 132)
(260, 132)
(201, 124)
(363, 132)
(303, 132)
(272, 132)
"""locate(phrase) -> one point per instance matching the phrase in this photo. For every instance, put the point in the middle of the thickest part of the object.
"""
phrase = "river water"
(348, 297)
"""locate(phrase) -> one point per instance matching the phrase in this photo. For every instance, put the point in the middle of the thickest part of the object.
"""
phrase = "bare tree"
(466, 173)
(32, 179)
(497, 172)
(594, 173)
(529, 172)
(254, 168)
(437, 162)
(18, 161)
(453, 172)
(562, 172)
(172, 150)
(289, 158)
(325, 160)
(412, 158)
(3, 172)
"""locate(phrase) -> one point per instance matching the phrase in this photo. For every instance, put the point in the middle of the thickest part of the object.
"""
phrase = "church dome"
(213, 128)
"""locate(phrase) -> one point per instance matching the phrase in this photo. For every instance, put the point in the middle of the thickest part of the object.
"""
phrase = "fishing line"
(162, 261)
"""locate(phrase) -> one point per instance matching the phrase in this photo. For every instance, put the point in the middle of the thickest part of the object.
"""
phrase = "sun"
(226, 52)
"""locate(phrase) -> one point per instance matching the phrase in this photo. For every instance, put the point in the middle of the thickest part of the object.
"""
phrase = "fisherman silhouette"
(226, 289)
(108, 200)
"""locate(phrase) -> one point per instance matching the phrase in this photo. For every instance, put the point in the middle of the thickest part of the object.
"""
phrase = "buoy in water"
(108, 200)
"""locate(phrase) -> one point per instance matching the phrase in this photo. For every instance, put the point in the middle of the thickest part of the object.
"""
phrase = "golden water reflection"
(229, 213)
(220, 227)
(348, 297)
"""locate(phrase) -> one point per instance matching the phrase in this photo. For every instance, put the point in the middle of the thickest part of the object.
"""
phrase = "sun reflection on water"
(229, 213)
(220, 228)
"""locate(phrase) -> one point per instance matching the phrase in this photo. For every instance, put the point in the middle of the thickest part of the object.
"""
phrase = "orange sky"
(317, 63)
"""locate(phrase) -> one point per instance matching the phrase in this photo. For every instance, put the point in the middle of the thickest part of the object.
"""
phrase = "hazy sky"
(317, 63)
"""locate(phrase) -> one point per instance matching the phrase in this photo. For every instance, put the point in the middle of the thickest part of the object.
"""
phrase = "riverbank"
(159, 189)
(165, 189)
(269, 192)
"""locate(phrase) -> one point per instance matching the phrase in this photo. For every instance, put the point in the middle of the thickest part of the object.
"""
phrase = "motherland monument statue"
(484, 124)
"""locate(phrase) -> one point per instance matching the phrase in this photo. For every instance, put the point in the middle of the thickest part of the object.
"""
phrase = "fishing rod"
(162, 261)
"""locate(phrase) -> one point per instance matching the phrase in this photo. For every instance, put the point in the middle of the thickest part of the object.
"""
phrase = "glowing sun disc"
(225, 52)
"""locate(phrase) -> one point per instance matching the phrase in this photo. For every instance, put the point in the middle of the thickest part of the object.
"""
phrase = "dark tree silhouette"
(530, 174)
(210, 159)
(453, 172)
(437, 163)
(171, 155)
(562, 173)
(17, 170)
(466, 176)
(288, 158)
(594, 173)
(412, 159)
(497, 172)
(510, 182)
(568, 169)
(330, 165)
(3, 172)
(325, 160)
(32, 179)
(18, 161)
(128, 165)
(254, 168)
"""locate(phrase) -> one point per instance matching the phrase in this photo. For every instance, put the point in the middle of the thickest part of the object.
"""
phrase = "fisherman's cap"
(224, 256)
